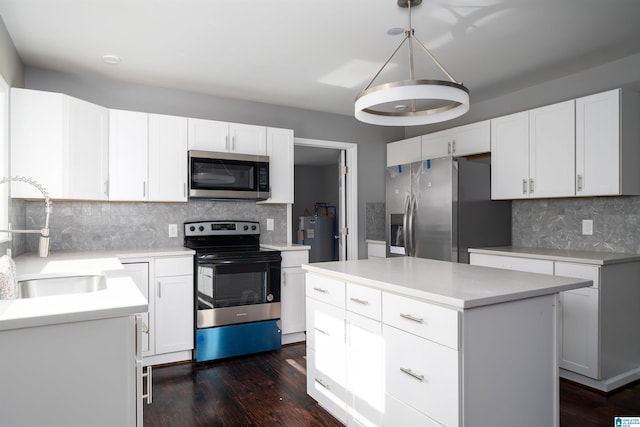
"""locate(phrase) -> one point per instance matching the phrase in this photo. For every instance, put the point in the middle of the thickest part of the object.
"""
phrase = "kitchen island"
(72, 358)
(415, 342)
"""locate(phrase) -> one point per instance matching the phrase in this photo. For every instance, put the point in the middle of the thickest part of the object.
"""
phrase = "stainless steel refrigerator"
(440, 208)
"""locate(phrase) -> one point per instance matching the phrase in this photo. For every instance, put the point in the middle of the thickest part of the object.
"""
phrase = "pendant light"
(411, 102)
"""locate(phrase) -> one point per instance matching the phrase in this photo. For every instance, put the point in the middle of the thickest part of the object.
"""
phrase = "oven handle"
(236, 261)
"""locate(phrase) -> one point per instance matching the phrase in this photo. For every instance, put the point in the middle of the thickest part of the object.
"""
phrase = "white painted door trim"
(351, 151)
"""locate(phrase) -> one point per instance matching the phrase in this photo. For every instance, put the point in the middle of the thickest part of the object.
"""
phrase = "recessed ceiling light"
(111, 59)
(395, 31)
(401, 107)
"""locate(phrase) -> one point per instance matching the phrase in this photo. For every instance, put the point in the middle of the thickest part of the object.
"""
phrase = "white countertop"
(568, 255)
(121, 297)
(460, 286)
(285, 246)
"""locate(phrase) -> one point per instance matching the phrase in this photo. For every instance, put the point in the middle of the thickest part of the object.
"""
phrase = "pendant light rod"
(433, 58)
(385, 64)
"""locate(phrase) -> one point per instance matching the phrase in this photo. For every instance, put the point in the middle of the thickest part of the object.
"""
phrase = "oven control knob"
(253, 227)
(201, 228)
(246, 227)
(192, 228)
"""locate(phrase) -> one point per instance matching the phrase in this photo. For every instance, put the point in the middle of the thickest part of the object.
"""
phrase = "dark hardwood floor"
(269, 389)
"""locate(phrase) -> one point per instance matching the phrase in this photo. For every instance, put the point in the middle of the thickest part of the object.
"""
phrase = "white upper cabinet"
(248, 139)
(465, 140)
(61, 142)
(208, 135)
(280, 152)
(510, 156)
(404, 152)
(607, 148)
(552, 150)
(533, 153)
(211, 135)
(167, 158)
(128, 154)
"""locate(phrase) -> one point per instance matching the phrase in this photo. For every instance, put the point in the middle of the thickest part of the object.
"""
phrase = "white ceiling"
(318, 54)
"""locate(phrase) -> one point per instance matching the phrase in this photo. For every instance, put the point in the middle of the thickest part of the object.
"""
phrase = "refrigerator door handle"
(405, 226)
(412, 217)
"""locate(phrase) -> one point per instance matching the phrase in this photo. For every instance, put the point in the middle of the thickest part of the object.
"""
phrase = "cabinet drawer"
(581, 271)
(174, 266)
(294, 258)
(512, 263)
(421, 318)
(397, 413)
(325, 325)
(422, 374)
(326, 378)
(365, 301)
(325, 289)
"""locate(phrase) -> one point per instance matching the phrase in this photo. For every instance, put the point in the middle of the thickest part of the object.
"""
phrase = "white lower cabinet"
(167, 282)
(292, 296)
(326, 362)
(378, 358)
(599, 345)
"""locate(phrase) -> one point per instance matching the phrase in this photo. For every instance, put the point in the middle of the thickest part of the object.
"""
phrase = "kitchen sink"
(61, 285)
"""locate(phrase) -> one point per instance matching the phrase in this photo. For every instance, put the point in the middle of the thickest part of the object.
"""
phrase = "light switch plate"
(587, 227)
(173, 230)
(269, 224)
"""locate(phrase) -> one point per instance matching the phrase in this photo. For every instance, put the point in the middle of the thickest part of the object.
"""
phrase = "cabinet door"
(404, 152)
(580, 331)
(128, 155)
(365, 362)
(552, 150)
(436, 145)
(167, 158)
(510, 156)
(280, 152)
(208, 135)
(38, 131)
(87, 151)
(248, 139)
(293, 300)
(598, 144)
(139, 272)
(174, 314)
(470, 139)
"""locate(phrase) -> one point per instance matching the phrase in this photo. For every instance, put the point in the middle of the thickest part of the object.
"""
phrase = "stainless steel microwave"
(214, 175)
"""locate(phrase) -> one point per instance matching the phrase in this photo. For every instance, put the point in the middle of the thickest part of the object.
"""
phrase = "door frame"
(351, 153)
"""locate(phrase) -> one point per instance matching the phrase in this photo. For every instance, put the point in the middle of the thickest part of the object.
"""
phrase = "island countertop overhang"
(459, 286)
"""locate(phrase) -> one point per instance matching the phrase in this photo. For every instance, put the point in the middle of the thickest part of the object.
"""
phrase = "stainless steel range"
(237, 289)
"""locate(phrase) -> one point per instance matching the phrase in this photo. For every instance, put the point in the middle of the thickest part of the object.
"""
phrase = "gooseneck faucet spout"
(44, 243)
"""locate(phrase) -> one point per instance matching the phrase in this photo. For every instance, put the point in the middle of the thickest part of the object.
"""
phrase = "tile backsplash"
(374, 221)
(79, 226)
(557, 223)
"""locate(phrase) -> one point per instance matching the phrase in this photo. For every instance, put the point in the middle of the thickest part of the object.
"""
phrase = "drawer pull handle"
(319, 381)
(360, 301)
(413, 319)
(413, 374)
(322, 331)
(324, 291)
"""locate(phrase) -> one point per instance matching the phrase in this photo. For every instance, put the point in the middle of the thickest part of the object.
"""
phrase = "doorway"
(326, 197)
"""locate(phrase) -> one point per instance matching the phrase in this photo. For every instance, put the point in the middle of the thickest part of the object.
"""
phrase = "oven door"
(239, 288)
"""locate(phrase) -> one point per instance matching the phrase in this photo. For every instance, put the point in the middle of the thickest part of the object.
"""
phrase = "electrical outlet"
(587, 227)
(269, 224)
(173, 230)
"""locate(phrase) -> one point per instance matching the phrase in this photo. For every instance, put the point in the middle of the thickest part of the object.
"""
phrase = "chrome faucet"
(44, 243)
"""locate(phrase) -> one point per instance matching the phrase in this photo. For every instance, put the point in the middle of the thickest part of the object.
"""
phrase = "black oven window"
(240, 289)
